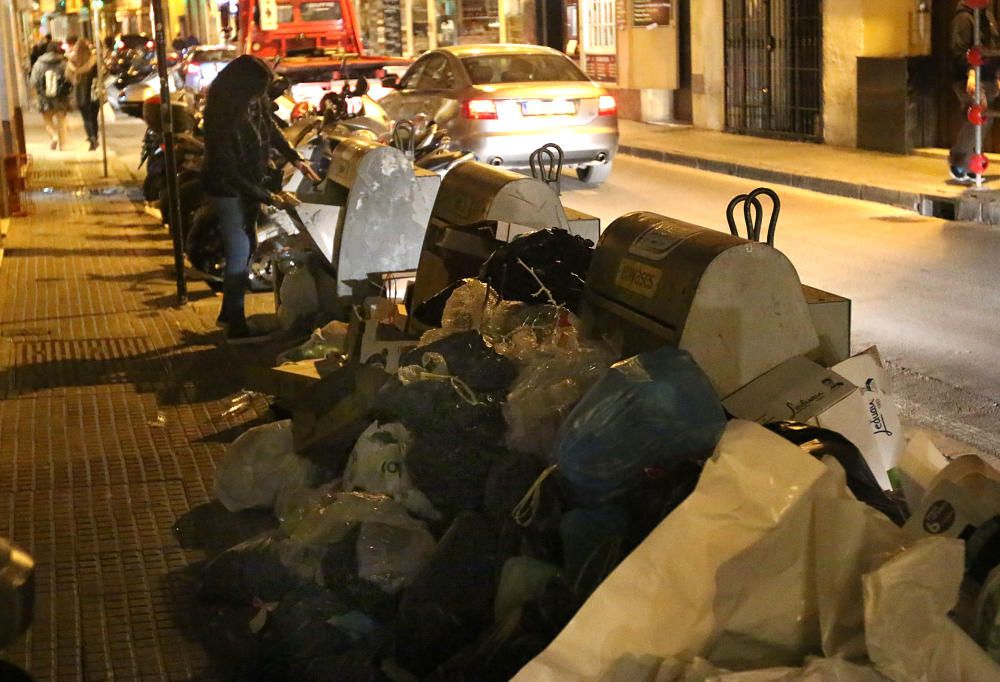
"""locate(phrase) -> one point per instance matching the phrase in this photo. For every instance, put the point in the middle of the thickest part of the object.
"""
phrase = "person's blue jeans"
(236, 226)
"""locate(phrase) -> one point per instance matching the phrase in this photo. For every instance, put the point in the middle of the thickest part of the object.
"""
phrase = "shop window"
(599, 26)
(285, 14)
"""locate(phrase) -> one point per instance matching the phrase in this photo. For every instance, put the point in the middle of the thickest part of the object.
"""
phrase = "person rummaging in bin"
(240, 134)
(81, 72)
(964, 81)
(48, 77)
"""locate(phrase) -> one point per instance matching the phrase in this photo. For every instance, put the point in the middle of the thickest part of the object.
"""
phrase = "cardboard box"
(802, 390)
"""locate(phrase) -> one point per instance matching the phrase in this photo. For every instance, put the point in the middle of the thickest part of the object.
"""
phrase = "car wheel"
(594, 175)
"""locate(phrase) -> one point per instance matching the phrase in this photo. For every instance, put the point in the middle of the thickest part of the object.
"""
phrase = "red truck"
(318, 43)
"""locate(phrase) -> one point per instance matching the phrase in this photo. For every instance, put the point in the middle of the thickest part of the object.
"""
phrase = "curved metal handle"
(753, 214)
(546, 165)
(406, 144)
(775, 211)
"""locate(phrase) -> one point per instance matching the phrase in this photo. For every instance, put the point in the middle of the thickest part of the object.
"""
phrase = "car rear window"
(320, 11)
(214, 55)
(521, 68)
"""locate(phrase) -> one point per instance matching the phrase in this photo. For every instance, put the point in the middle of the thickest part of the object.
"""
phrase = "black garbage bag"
(548, 266)
(496, 656)
(469, 359)
(437, 407)
(248, 572)
(340, 575)
(535, 532)
(451, 601)
(451, 470)
(360, 664)
(660, 492)
(593, 541)
(510, 478)
(819, 442)
(299, 630)
(431, 311)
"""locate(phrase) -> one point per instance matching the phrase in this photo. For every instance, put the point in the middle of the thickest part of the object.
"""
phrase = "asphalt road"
(925, 291)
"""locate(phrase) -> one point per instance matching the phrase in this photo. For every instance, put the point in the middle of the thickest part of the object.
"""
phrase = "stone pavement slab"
(916, 182)
(111, 422)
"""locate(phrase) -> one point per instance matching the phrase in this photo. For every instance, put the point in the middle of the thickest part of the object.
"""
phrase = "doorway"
(774, 60)
(682, 97)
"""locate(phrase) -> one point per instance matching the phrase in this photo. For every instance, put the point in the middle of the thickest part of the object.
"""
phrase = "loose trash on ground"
(513, 483)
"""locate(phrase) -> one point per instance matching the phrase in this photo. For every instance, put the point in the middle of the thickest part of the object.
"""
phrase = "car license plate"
(541, 107)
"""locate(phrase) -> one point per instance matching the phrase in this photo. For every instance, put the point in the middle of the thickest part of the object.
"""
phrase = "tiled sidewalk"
(111, 402)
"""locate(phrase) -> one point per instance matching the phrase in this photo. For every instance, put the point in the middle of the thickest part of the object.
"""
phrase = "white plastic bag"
(378, 465)
(259, 465)
(761, 566)
(298, 298)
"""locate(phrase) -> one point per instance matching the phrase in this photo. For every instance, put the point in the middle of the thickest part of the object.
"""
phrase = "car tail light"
(479, 109)
(606, 105)
(150, 44)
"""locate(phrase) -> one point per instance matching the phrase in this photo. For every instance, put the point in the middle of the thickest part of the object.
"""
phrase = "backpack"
(54, 84)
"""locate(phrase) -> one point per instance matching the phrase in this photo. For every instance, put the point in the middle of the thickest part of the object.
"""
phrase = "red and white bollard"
(977, 113)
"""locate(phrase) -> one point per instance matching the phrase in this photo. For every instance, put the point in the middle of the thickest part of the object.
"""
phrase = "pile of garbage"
(513, 502)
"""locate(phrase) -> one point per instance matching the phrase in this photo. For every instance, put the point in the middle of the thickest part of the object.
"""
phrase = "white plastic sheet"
(760, 567)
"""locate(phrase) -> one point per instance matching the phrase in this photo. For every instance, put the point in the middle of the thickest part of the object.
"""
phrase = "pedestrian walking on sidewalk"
(240, 134)
(48, 77)
(81, 71)
(964, 83)
(40, 48)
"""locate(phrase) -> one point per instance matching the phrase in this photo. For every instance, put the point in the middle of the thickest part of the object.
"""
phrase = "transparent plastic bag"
(259, 465)
(378, 465)
(391, 555)
(330, 339)
(298, 298)
(655, 409)
(545, 391)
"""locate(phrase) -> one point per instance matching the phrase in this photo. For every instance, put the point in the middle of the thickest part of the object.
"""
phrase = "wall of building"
(851, 29)
(708, 64)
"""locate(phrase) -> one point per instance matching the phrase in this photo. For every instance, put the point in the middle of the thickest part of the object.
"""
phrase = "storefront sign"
(602, 68)
(646, 12)
(268, 15)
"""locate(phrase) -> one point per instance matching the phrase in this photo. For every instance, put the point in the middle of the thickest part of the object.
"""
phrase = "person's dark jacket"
(962, 38)
(38, 50)
(237, 154)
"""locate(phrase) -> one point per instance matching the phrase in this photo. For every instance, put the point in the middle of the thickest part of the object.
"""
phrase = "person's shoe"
(93, 144)
(958, 173)
(54, 145)
(222, 320)
(237, 334)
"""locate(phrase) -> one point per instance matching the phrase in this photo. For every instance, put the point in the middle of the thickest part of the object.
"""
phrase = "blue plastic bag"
(650, 411)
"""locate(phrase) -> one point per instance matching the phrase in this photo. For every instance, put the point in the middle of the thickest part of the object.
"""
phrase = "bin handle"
(405, 144)
(753, 214)
(546, 165)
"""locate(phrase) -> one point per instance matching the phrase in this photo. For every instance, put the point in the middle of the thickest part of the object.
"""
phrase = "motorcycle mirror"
(360, 87)
(391, 81)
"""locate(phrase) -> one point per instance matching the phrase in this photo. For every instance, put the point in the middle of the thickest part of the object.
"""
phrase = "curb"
(924, 204)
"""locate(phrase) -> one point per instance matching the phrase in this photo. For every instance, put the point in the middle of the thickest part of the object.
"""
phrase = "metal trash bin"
(737, 306)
